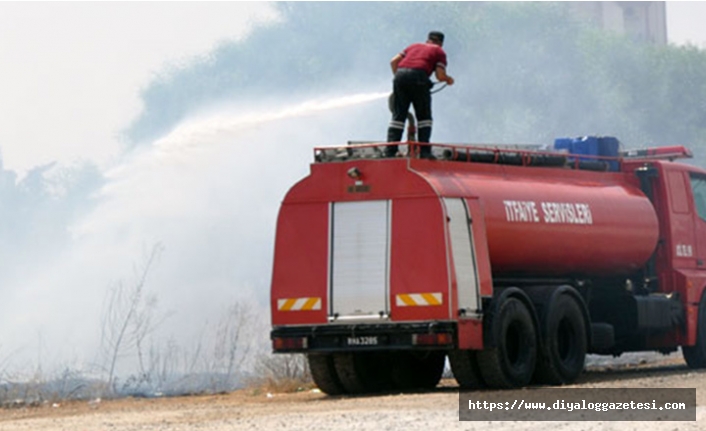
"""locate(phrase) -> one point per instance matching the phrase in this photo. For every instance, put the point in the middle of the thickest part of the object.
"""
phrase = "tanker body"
(512, 263)
(542, 224)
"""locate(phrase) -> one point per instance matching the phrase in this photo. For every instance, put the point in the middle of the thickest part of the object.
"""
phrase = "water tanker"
(543, 223)
(513, 263)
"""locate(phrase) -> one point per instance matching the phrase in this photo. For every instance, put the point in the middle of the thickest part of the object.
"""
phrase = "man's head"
(436, 37)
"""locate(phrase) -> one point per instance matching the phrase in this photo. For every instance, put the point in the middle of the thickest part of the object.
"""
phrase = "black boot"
(424, 136)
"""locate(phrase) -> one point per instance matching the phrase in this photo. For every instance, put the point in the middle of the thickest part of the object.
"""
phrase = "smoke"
(209, 193)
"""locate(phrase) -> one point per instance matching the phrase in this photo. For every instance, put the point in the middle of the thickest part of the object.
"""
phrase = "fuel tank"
(555, 222)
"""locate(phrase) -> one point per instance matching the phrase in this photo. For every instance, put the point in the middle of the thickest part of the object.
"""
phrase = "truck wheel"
(417, 370)
(695, 356)
(511, 362)
(323, 372)
(464, 365)
(364, 372)
(563, 352)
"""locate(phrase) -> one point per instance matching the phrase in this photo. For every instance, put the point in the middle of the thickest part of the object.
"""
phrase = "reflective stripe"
(311, 303)
(426, 123)
(418, 299)
(396, 125)
(286, 304)
(299, 304)
(403, 300)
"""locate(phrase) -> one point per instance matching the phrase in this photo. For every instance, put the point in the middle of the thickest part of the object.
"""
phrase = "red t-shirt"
(424, 56)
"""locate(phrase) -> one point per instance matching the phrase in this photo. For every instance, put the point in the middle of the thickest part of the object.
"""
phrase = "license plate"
(362, 341)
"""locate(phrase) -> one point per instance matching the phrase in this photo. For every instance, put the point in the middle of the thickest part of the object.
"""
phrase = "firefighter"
(412, 69)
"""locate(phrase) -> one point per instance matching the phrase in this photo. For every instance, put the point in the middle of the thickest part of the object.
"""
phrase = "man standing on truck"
(412, 68)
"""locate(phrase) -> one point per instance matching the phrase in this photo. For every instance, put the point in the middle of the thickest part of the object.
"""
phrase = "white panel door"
(360, 259)
(463, 253)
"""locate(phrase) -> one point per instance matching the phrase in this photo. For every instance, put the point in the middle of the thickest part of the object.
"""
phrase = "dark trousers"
(410, 86)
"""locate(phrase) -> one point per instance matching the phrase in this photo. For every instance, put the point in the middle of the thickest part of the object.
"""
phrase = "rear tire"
(417, 370)
(565, 343)
(464, 365)
(695, 356)
(364, 372)
(323, 372)
(511, 362)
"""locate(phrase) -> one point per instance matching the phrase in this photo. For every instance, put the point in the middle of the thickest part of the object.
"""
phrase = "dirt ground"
(251, 409)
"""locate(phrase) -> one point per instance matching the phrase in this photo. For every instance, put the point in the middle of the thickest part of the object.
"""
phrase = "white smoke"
(209, 192)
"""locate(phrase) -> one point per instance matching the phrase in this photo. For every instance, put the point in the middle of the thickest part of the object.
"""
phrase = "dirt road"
(253, 410)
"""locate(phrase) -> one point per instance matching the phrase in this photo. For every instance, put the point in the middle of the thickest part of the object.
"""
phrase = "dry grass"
(281, 386)
(281, 374)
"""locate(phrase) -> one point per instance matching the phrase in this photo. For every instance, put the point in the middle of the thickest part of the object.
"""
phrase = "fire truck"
(512, 262)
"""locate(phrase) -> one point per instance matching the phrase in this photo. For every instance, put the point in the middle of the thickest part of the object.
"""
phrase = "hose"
(438, 89)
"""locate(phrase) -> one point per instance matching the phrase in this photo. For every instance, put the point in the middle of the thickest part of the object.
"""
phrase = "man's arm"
(441, 75)
(394, 62)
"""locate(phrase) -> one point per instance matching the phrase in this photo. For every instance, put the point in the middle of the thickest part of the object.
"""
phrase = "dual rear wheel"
(511, 362)
(368, 372)
(549, 349)
(565, 342)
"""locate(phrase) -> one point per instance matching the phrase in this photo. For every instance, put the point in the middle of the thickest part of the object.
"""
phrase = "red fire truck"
(513, 263)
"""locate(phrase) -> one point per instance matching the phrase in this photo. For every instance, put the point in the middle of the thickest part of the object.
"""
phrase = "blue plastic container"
(564, 144)
(606, 146)
(587, 145)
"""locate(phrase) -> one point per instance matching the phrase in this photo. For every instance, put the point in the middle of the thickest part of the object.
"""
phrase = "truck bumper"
(364, 337)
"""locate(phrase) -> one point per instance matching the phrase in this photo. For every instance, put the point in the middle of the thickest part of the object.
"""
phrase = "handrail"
(523, 155)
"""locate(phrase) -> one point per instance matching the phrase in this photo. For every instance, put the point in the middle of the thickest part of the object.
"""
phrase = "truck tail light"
(432, 339)
(297, 343)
